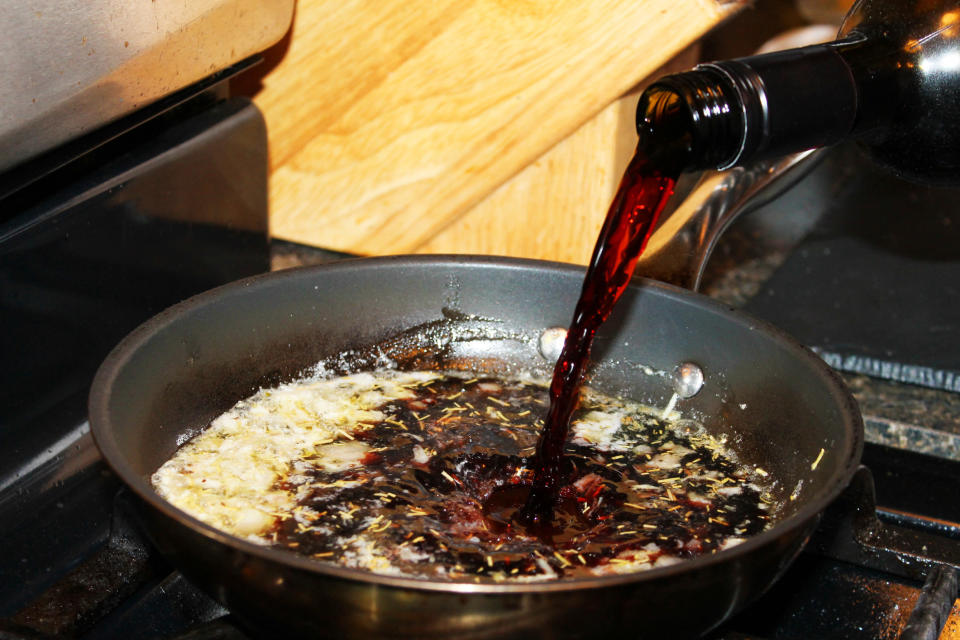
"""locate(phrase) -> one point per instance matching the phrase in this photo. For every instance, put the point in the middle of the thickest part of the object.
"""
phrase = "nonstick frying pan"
(778, 403)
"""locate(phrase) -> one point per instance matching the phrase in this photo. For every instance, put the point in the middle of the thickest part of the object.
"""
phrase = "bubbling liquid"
(422, 474)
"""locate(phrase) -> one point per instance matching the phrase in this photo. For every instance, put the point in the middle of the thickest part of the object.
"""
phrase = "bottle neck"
(892, 81)
(740, 111)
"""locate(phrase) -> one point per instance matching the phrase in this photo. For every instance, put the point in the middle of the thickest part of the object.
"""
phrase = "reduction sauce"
(424, 472)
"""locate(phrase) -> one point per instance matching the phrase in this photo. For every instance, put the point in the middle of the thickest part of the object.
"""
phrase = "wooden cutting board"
(389, 121)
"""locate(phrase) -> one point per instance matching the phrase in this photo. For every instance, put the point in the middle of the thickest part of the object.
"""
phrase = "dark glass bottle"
(891, 80)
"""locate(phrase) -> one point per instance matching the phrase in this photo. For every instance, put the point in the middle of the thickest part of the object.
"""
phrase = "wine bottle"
(891, 80)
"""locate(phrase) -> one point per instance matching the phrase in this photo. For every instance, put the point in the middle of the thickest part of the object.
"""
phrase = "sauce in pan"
(421, 474)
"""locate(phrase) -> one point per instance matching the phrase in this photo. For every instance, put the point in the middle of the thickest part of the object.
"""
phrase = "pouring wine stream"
(643, 193)
(685, 122)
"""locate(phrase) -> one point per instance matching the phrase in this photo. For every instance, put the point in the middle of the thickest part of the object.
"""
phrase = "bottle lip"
(713, 115)
(733, 82)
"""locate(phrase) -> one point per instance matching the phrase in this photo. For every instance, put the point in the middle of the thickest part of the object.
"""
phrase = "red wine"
(644, 190)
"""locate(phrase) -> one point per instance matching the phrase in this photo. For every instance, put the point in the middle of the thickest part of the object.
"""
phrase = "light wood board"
(388, 121)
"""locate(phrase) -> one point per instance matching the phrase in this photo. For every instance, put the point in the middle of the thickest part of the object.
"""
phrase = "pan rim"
(112, 367)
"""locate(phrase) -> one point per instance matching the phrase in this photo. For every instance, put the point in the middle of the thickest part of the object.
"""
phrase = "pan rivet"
(551, 343)
(687, 379)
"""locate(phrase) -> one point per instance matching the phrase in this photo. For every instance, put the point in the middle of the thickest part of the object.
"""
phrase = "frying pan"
(779, 405)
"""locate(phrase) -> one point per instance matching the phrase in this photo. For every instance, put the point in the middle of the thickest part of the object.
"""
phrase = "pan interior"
(779, 406)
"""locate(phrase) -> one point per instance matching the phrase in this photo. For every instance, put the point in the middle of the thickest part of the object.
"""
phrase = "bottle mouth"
(701, 107)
